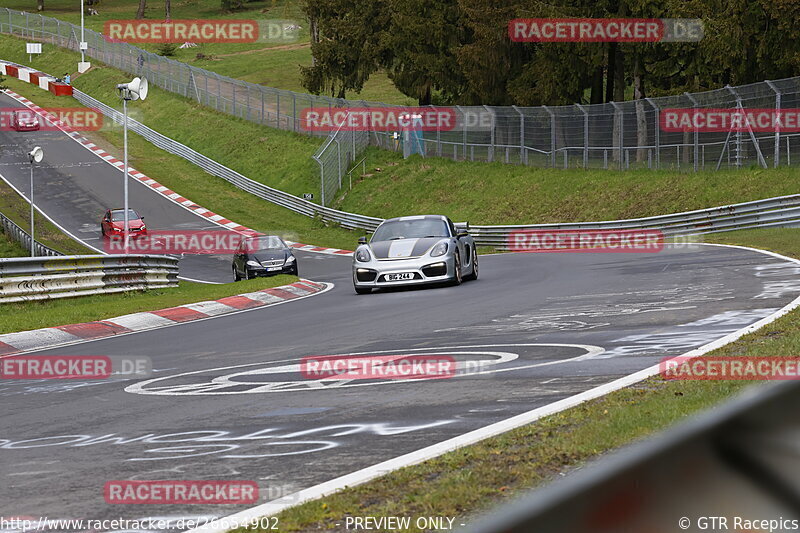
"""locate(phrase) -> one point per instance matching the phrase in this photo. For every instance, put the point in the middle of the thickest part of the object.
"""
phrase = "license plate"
(273, 269)
(400, 277)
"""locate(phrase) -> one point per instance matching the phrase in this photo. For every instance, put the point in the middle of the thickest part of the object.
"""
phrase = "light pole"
(34, 156)
(136, 89)
(83, 66)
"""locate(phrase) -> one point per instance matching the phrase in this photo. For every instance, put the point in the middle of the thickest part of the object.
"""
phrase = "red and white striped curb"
(39, 339)
(157, 187)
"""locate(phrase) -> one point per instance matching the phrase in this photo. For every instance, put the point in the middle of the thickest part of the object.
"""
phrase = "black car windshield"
(119, 216)
(269, 242)
(411, 229)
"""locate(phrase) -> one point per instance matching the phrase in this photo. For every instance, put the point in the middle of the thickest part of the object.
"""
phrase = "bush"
(166, 49)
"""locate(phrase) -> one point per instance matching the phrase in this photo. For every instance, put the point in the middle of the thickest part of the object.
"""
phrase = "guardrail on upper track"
(10, 228)
(780, 211)
(41, 278)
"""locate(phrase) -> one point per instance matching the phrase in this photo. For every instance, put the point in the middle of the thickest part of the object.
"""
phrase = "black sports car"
(263, 255)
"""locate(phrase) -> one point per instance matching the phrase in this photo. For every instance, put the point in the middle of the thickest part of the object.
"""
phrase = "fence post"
(696, 131)
(657, 130)
(523, 154)
(464, 128)
(552, 136)
(585, 135)
(753, 138)
(491, 153)
(621, 139)
(777, 157)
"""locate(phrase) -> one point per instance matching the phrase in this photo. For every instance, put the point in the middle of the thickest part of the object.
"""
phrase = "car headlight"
(439, 249)
(290, 259)
(253, 264)
(362, 255)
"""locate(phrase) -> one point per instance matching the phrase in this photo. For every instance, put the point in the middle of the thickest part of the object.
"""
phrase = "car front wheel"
(457, 278)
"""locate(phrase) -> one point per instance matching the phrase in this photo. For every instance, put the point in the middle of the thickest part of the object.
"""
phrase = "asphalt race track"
(226, 400)
(74, 187)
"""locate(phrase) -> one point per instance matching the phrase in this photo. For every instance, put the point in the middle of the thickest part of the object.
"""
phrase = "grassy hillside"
(275, 64)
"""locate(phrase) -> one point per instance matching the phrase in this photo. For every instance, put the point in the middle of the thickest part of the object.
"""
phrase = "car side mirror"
(362, 240)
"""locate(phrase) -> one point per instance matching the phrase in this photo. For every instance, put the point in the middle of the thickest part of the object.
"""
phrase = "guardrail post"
(657, 131)
(585, 135)
(696, 132)
(552, 136)
(776, 158)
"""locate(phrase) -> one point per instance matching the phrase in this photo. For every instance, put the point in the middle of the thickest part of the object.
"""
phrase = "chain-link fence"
(613, 135)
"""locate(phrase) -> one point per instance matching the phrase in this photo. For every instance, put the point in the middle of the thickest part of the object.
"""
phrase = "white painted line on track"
(359, 477)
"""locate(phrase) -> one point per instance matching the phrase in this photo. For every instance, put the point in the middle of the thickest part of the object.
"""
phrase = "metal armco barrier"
(739, 460)
(42, 278)
(780, 211)
(10, 228)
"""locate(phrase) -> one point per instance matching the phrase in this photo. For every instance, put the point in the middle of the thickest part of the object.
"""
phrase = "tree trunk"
(167, 10)
(39, 5)
(314, 29)
(610, 70)
(426, 99)
(641, 118)
(140, 11)
(597, 86)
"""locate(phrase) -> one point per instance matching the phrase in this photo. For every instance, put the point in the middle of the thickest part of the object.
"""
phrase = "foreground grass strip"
(43, 314)
(477, 477)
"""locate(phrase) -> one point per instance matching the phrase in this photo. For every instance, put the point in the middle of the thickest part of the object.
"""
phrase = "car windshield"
(270, 242)
(119, 216)
(411, 229)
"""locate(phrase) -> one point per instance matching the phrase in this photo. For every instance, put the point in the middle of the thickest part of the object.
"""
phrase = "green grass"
(48, 313)
(496, 193)
(272, 64)
(276, 158)
(10, 247)
(475, 478)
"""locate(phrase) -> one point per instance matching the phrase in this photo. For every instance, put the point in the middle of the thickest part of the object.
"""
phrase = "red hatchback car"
(24, 120)
(113, 223)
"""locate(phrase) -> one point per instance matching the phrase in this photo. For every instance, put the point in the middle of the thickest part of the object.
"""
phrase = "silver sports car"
(414, 251)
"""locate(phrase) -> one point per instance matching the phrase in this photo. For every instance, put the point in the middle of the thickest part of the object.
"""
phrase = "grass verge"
(10, 247)
(48, 313)
(475, 478)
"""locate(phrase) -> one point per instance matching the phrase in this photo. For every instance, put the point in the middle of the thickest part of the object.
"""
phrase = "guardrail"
(41, 278)
(738, 460)
(780, 211)
(10, 228)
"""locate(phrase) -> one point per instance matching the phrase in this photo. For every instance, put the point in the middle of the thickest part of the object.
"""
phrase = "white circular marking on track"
(239, 378)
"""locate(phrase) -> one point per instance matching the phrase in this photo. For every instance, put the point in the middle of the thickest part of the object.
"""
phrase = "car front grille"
(272, 263)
